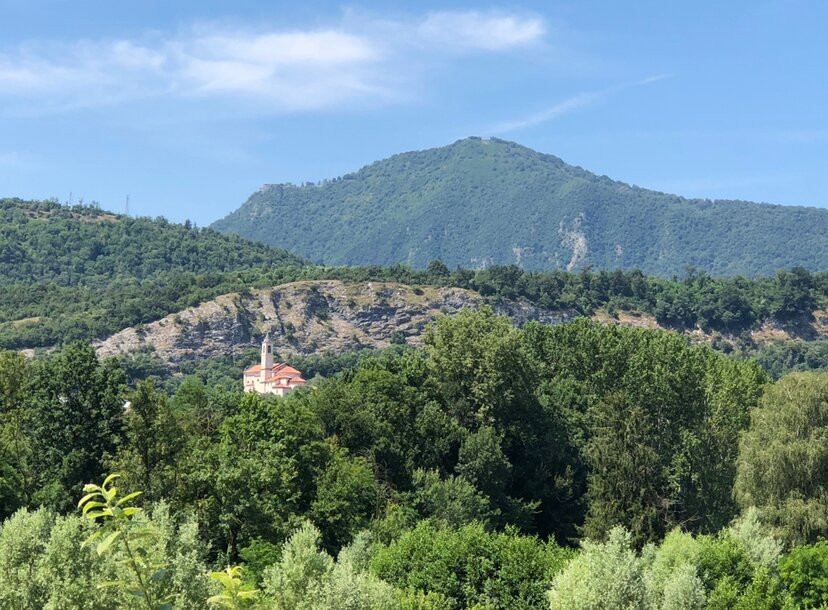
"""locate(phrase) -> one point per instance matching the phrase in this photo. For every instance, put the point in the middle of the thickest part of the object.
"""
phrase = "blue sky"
(190, 106)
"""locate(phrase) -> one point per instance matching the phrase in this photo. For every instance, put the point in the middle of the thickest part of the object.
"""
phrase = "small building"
(268, 377)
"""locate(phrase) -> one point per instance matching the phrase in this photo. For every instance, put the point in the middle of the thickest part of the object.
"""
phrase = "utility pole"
(126, 206)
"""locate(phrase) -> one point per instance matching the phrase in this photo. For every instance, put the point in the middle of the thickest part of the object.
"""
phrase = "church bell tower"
(267, 358)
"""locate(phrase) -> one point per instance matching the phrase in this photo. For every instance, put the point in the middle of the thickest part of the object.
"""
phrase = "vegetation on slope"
(71, 273)
(71, 245)
(76, 272)
(481, 202)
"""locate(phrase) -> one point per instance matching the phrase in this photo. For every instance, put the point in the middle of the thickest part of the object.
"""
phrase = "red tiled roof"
(280, 370)
(289, 380)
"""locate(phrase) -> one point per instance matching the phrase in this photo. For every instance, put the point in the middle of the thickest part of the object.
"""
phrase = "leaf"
(92, 505)
(129, 497)
(87, 497)
(110, 478)
(216, 600)
(128, 512)
(223, 578)
(107, 542)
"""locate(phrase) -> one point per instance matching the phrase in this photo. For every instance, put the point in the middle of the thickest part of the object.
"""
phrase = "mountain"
(487, 201)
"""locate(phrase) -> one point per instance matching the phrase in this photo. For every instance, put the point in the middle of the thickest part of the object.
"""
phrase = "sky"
(187, 107)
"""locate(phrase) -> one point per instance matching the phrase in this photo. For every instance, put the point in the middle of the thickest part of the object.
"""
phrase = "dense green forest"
(572, 466)
(481, 202)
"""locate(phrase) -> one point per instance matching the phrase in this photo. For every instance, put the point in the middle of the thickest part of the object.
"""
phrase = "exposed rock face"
(308, 317)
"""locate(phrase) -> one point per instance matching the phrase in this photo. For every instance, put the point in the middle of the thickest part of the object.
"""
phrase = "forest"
(574, 466)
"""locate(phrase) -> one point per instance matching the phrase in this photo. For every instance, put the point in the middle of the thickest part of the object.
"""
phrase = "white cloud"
(294, 70)
(282, 70)
(321, 48)
(474, 30)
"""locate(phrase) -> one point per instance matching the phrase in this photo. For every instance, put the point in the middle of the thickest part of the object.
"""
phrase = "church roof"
(280, 370)
(290, 379)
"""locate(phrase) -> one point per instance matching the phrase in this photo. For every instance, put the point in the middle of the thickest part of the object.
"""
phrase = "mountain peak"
(482, 201)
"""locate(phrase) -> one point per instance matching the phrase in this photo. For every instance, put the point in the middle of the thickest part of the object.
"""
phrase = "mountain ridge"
(458, 204)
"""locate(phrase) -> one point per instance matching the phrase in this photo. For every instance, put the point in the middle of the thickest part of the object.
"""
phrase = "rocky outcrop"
(309, 317)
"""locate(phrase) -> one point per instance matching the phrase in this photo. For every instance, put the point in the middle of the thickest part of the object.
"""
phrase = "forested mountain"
(479, 202)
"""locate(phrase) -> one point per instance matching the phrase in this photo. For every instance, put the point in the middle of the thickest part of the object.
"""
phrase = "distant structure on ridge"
(269, 378)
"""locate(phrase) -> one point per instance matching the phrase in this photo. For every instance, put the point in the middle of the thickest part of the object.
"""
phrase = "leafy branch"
(126, 539)
(235, 595)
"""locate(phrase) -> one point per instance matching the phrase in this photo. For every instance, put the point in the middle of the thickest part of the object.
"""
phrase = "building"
(268, 377)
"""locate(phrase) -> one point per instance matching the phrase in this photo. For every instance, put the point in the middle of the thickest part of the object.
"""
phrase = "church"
(268, 377)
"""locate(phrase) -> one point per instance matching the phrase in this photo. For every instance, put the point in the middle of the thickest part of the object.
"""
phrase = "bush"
(603, 575)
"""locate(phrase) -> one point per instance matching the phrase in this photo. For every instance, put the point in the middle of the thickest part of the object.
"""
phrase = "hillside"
(43, 240)
(315, 318)
(71, 273)
(77, 272)
(305, 318)
(479, 202)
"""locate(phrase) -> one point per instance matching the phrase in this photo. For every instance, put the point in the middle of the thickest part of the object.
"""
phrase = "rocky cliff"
(308, 317)
(332, 316)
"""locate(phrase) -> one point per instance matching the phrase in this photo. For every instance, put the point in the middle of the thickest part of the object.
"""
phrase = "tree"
(602, 575)
(153, 443)
(437, 269)
(470, 567)
(793, 296)
(346, 499)
(624, 479)
(75, 417)
(119, 532)
(803, 573)
(783, 458)
(268, 460)
(16, 475)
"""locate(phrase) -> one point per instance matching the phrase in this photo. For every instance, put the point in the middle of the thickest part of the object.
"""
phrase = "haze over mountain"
(479, 202)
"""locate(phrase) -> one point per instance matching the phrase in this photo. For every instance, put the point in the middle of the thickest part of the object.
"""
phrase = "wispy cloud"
(475, 30)
(570, 104)
(285, 70)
